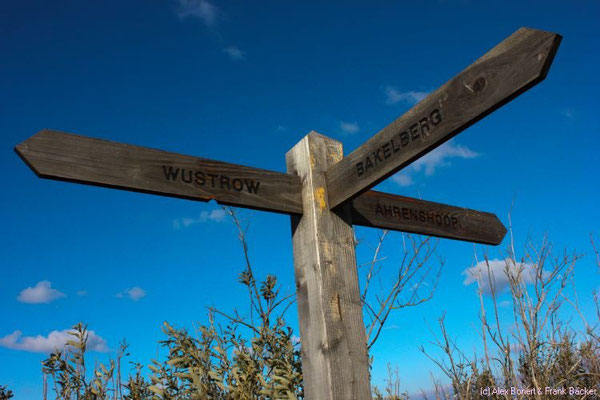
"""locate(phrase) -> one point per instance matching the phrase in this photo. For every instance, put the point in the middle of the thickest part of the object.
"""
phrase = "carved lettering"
(411, 214)
(217, 181)
(435, 117)
(414, 132)
(170, 173)
(359, 168)
(396, 147)
(386, 150)
(424, 127)
(404, 139)
(186, 176)
(237, 184)
(419, 130)
(200, 178)
(212, 179)
(225, 182)
(251, 185)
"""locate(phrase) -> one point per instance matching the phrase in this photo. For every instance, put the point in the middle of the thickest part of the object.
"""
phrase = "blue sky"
(243, 83)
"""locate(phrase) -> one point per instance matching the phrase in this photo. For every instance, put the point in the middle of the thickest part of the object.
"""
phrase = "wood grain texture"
(399, 213)
(63, 156)
(512, 67)
(332, 333)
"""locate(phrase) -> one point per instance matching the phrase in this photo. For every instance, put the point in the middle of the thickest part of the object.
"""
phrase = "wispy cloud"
(394, 96)
(568, 113)
(42, 292)
(135, 293)
(217, 215)
(439, 157)
(201, 9)
(82, 293)
(56, 340)
(349, 128)
(234, 53)
(504, 304)
(497, 272)
(403, 179)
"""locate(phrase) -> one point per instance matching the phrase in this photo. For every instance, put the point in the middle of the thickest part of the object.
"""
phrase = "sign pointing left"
(63, 156)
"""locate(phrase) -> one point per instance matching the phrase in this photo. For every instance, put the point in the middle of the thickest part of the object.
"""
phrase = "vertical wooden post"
(332, 332)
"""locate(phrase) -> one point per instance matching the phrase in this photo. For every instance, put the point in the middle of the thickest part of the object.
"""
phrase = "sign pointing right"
(515, 65)
(399, 213)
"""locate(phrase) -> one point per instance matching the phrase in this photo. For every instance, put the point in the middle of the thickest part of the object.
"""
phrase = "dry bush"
(250, 355)
(5, 394)
(539, 349)
(247, 358)
(253, 356)
(392, 389)
(413, 283)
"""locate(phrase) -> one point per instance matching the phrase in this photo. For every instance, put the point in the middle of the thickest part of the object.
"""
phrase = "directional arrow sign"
(388, 211)
(63, 156)
(68, 157)
(515, 65)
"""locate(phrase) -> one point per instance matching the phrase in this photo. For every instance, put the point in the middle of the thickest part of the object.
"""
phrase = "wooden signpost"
(509, 69)
(325, 194)
(399, 213)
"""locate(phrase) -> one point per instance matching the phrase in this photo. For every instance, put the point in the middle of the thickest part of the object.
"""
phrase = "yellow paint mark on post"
(335, 306)
(320, 198)
(335, 152)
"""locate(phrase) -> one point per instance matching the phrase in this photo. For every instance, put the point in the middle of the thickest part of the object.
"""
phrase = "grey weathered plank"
(388, 211)
(512, 67)
(332, 333)
(63, 156)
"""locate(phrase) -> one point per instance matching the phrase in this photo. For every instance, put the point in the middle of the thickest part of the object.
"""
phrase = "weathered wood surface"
(388, 211)
(332, 332)
(512, 67)
(63, 156)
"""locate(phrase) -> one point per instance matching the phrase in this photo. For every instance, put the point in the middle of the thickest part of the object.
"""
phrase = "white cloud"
(394, 96)
(349, 127)
(42, 292)
(82, 293)
(201, 9)
(403, 179)
(217, 215)
(440, 156)
(234, 53)
(504, 304)
(497, 273)
(569, 113)
(135, 293)
(56, 340)
(427, 164)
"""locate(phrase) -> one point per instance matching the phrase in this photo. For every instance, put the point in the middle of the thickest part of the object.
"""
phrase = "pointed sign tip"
(22, 151)
(547, 48)
(551, 53)
(501, 230)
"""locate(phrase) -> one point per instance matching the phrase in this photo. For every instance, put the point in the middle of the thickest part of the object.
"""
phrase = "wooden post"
(332, 332)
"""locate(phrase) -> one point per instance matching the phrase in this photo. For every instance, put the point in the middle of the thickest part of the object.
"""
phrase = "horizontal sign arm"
(68, 157)
(63, 156)
(512, 67)
(388, 211)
